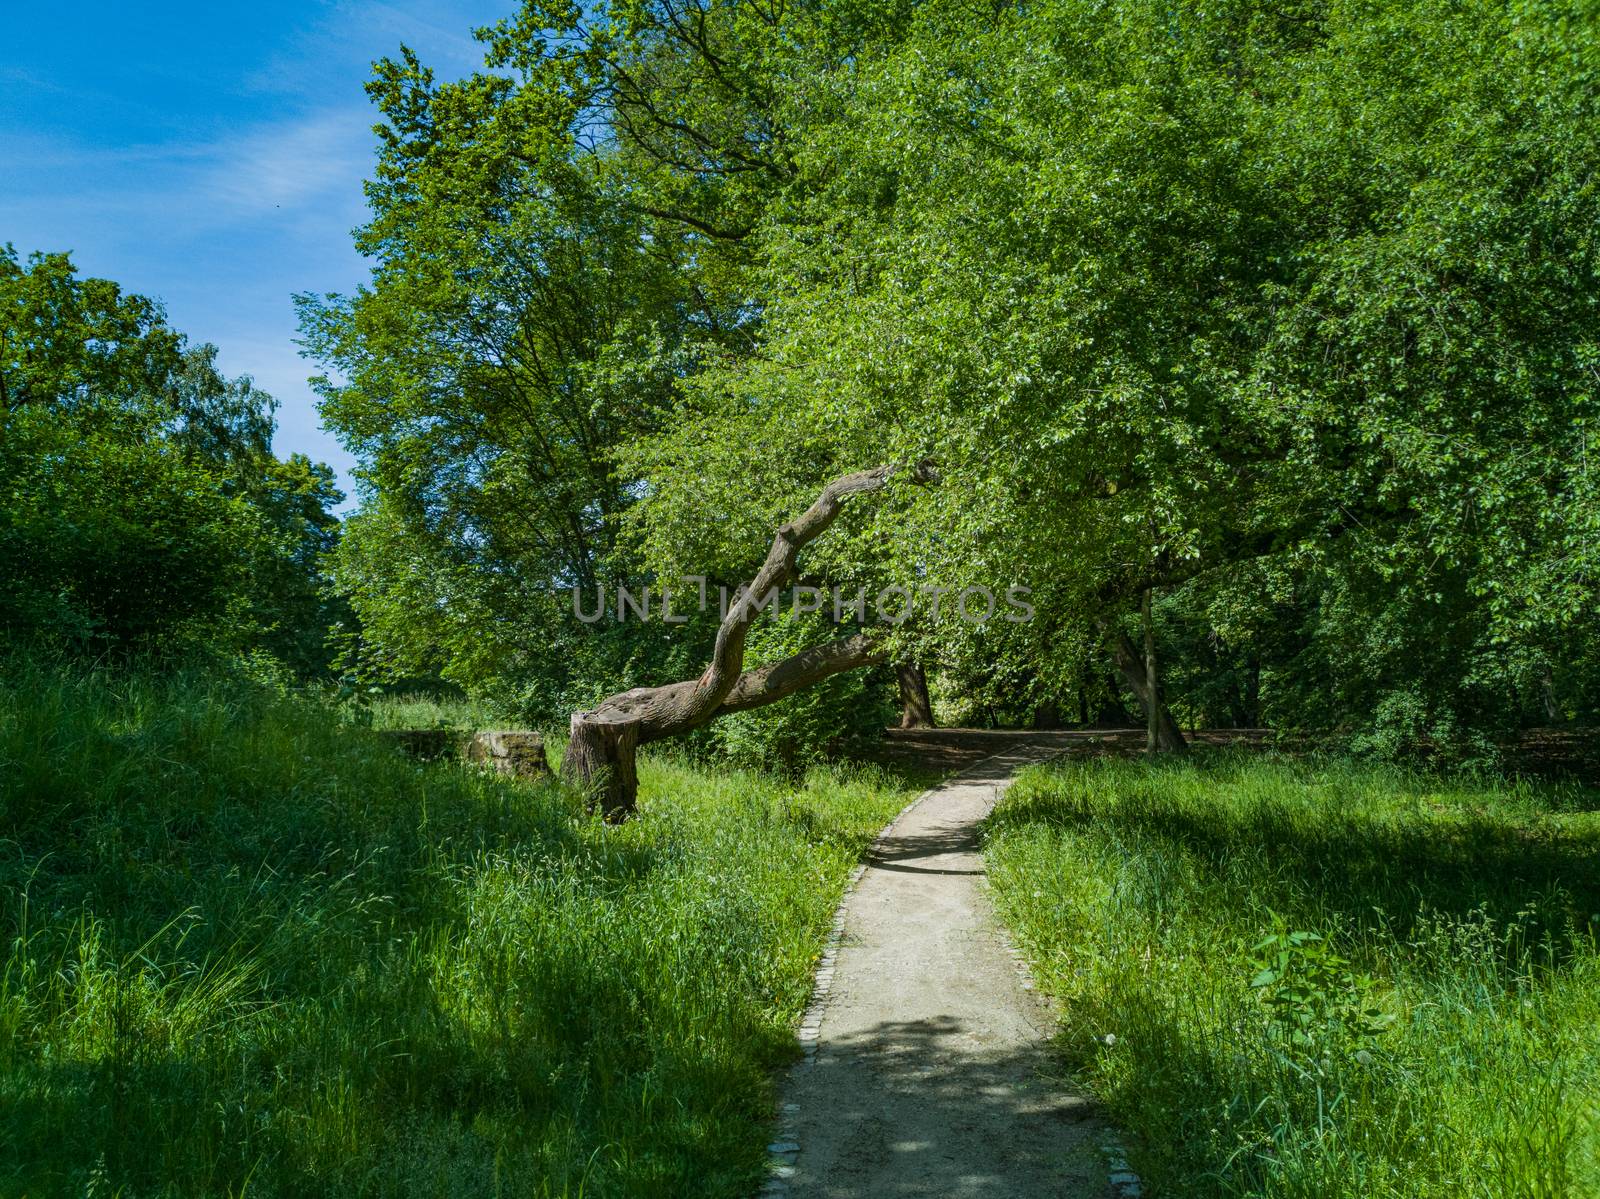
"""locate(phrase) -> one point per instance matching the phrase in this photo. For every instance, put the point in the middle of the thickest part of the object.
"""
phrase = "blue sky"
(210, 155)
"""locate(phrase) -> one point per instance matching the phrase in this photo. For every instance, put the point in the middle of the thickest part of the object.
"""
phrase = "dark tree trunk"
(1132, 668)
(1115, 714)
(1047, 715)
(1253, 695)
(916, 709)
(1153, 706)
(600, 754)
(1238, 708)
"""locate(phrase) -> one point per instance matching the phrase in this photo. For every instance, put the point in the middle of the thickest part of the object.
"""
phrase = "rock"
(519, 754)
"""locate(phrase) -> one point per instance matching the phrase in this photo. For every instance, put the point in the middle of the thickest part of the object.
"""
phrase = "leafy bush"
(109, 543)
(142, 508)
(812, 725)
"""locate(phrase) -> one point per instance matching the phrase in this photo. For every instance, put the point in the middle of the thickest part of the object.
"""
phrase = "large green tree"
(143, 508)
(1170, 291)
(1285, 312)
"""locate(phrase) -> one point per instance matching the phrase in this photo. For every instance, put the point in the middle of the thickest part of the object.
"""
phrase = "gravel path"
(927, 1071)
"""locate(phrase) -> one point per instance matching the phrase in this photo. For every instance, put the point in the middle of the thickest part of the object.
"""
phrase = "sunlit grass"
(249, 951)
(418, 710)
(1442, 1038)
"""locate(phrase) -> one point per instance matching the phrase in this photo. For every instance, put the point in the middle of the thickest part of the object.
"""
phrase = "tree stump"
(600, 763)
(510, 751)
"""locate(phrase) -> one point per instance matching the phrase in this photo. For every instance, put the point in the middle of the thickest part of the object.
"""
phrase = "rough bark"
(600, 759)
(1152, 682)
(600, 754)
(1131, 666)
(916, 709)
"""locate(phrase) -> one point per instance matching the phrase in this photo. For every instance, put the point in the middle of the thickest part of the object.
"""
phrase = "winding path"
(927, 1071)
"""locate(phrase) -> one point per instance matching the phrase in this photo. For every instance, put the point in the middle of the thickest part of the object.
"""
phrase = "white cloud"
(319, 159)
(309, 165)
(352, 34)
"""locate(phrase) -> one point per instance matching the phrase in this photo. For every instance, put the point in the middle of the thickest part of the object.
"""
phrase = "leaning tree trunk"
(1132, 667)
(600, 754)
(916, 709)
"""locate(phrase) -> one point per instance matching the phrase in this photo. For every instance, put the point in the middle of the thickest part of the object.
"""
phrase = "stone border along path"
(926, 1068)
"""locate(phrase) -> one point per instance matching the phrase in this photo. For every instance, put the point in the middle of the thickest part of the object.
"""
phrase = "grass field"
(249, 952)
(1318, 980)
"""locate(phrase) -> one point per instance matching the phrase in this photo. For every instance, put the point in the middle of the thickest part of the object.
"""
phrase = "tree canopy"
(144, 508)
(1287, 312)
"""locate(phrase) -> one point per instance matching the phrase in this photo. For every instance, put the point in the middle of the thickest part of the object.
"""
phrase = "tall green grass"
(247, 951)
(1319, 980)
(416, 710)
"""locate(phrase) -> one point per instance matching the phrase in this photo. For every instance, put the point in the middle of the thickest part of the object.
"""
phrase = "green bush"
(811, 726)
(110, 542)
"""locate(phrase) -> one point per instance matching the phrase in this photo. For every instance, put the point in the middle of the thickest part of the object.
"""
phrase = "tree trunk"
(916, 709)
(600, 758)
(1169, 737)
(1047, 715)
(600, 755)
(1152, 708)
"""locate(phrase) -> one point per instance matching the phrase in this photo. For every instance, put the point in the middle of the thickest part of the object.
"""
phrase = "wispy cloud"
(351, 34)
(307, 165)
(310, 160)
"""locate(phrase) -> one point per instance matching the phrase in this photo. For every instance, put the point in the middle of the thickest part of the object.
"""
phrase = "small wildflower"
(1364, 1057)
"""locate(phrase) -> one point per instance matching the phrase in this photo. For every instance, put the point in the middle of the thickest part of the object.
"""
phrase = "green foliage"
(521, 324)
(1318, 979)
(1286, 312)
(1310, 991)
(106, 542)
(143, 509)
(416, 710)
(250, 950)
(1164, 291)
(840, 713)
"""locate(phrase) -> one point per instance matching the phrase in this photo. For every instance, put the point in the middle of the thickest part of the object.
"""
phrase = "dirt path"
(930, 1074)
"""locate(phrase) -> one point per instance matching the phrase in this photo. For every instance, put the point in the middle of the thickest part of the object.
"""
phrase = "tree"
(1179, 297)
(1001, 253)
(143, 507)
(916, 709)
(600, 754)
(524, 321)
